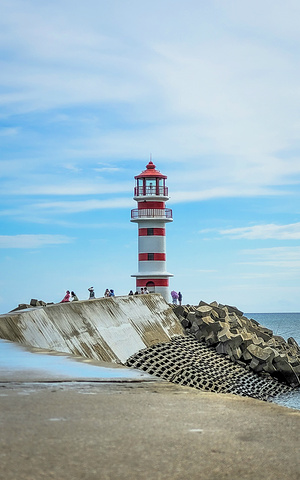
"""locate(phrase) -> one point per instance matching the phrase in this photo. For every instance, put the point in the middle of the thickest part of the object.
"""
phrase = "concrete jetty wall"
(143, 332)
(107, 329)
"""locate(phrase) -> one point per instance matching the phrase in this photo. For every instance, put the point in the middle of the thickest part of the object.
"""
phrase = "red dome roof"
(151, 172)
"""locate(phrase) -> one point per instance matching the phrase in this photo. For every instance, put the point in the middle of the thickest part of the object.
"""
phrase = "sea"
(286, 325)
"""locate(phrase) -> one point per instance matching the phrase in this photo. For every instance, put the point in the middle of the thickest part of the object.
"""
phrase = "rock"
(256, 365)
(224, 335)
(235, 321)
(234, 310)
(191, 317)
(247, 355)
(221, 348)
(257, 340)
(213, 304)
(262, 354)
(203, 311)
(220, 312)
(179, 310)
(184, 322)
(211, 338)
(34, 302)
(21, 306)
(285, 370)
(194, 328)
(37, 303)
(292, 342)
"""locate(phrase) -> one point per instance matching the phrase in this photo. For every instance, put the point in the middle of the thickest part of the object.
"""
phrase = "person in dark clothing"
(179, 297)
(92, 293)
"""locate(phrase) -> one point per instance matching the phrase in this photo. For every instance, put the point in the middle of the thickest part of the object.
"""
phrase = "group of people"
(109, 293)
(72, 297)
(176, 297)
(69, 297)
(144, 290)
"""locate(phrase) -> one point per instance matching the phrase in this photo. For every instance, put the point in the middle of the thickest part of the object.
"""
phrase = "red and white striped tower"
(151, 193)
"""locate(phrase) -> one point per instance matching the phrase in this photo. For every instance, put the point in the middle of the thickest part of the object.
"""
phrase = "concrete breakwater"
(107, 329)
(147, 333)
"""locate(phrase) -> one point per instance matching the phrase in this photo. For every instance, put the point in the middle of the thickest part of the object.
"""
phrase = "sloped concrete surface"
(108, 329)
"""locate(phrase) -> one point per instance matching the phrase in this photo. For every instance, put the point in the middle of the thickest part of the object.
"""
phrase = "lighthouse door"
(151, 287)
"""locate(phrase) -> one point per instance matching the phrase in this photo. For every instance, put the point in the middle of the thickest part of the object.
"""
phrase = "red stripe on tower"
(147, 232)
(150, 204)
(159, 257)
(158, 282)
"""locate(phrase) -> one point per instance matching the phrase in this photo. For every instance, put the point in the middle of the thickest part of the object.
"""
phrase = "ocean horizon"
(285, 325)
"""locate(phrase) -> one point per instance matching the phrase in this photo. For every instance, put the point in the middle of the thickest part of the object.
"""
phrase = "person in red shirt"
(66, 297)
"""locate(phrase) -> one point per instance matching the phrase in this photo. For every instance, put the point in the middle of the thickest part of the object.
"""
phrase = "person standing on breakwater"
(66, 297)
(179, 297)
(92, 293)
(74, 297)
(106, 293)
(111, 293)
(174, 296)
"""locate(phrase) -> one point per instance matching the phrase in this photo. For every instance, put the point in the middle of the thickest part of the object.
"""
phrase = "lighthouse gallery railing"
(151, 213)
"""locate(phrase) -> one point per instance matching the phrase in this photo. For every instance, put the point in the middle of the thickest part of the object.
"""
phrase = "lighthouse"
(151, 215)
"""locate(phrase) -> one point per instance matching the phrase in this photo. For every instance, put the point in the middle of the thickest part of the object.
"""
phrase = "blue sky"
(88, 90)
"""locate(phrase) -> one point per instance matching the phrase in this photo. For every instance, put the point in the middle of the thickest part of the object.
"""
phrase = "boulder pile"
(33, 303)
(242, 340)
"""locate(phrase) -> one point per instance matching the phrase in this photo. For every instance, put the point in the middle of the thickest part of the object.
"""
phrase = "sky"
(90, 90)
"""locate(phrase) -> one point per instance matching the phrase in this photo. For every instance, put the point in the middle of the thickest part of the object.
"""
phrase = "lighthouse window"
(150, 231)
(150, 186)
(140, 186)
(150, 256)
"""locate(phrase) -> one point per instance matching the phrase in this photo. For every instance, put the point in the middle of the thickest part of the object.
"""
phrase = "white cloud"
(8, 132)
(83, 206)
(216, 91)
(218, 192)
(267, 231)
(32, 241)
(279, 257)
(107, 169)
(40, 185)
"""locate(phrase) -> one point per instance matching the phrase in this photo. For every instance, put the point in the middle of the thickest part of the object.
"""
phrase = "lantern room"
(150, 183)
